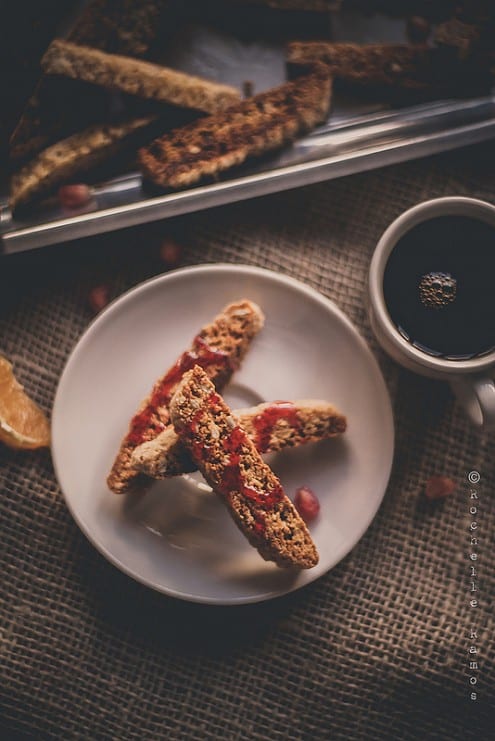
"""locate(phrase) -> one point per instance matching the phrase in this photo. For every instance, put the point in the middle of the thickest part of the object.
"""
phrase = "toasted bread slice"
(233, 467)
(136, 77)
(257, 125)
(219, 348)
(71, 157)
(271, 426)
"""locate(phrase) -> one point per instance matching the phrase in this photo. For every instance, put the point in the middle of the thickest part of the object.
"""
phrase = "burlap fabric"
(376, 649)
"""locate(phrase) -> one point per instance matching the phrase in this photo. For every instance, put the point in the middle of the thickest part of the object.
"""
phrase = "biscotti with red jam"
(218, 348)
(232, 466)
(272, 426)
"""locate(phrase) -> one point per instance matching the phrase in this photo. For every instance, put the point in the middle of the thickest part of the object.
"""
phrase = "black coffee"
(439, 287)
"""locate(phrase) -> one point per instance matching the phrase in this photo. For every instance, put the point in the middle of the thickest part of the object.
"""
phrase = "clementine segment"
(23, 425)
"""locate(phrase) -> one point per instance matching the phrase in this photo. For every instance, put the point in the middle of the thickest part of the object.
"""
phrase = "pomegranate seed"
(74, 196)
(98, 297)
(170, 252)
(306, 503)
(438, 487)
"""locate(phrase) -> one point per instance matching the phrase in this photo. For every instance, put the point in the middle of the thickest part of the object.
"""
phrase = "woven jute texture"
(378, 648)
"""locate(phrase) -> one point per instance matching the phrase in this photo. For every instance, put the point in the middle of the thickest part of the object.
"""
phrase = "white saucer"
(179, 538)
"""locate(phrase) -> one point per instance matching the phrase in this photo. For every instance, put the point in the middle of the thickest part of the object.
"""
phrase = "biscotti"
(57, 109)
(71, 157)
(219, 348)
(120, 26)
(403, 70)
(271, 426)
(233, 467)
(469, 35)
(136, 77)
(257, 125)
(380, 65)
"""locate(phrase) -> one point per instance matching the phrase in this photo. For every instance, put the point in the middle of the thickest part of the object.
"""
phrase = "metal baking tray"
(357, 137)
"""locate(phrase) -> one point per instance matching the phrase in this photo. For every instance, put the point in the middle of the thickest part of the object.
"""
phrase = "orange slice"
(23, 425)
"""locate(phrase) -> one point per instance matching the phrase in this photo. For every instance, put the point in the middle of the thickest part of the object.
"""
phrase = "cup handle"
(476, 395)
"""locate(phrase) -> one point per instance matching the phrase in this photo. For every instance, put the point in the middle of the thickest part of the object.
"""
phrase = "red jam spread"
(265, 422)
(143, 426)
(233, 480)
(232, 477)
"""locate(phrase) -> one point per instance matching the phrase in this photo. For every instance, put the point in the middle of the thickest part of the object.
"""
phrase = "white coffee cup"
(472, 380)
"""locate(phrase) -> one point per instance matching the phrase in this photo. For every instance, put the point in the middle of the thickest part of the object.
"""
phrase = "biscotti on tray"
(72, 157)
(136, 77)
(378, 65)
(233, 467)
(251, 128)
(401, 70)
(271, 426)
(218, 348)
(120, 26)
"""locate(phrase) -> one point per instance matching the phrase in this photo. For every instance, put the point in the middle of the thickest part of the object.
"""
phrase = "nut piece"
(439, 487)
(98, 297)
(307, 504)
(74, 196)
(170, 252)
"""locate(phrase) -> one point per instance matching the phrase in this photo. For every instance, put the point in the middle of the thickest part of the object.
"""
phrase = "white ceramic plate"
(179, 538)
